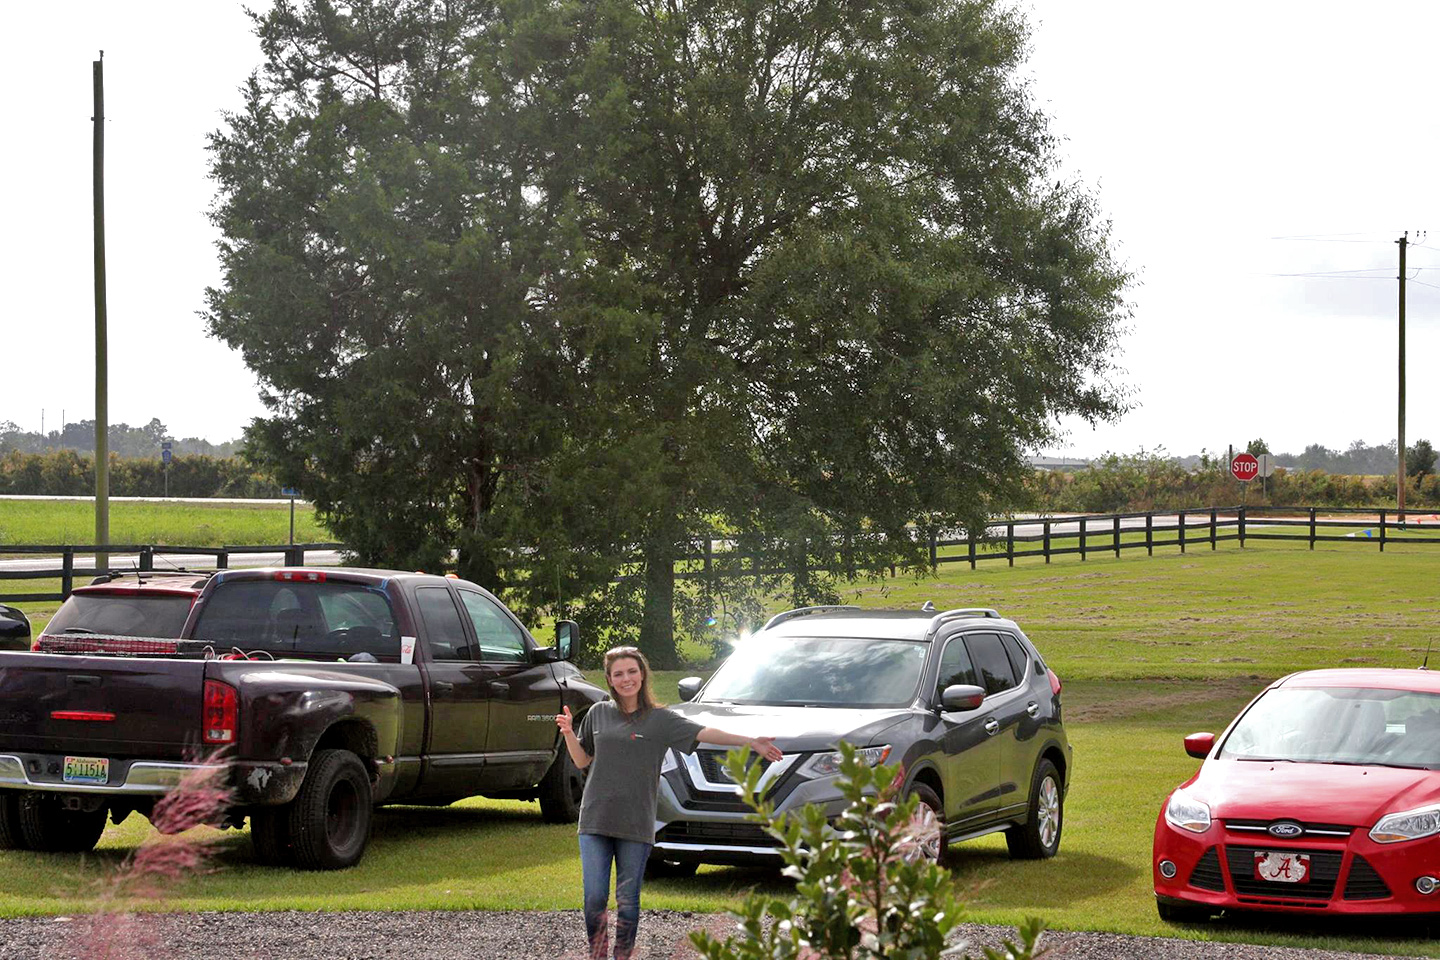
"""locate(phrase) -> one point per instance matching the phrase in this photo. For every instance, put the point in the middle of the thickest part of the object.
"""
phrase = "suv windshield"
(1351, 725)
(121, 615)
(820, 671)
(297, 618)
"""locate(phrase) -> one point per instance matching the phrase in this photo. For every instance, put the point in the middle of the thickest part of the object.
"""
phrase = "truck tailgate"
(100, 706)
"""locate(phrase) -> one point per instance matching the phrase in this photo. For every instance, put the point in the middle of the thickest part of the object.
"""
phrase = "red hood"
(1311, 792)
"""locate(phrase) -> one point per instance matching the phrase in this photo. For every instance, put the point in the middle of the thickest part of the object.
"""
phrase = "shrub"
(863, 890)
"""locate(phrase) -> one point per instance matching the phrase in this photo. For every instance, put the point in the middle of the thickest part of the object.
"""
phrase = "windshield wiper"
(1264, 759)
(1373, 763)
(79, 630)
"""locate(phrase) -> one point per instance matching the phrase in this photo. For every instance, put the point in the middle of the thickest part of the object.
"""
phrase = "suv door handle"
(1032, 708)
(441, 686)
(991, 726)
(499, 687)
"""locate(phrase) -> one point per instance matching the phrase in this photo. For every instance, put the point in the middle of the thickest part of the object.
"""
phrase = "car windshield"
(1349, 725)
(820, 671)
(300, 619)
(121, 615)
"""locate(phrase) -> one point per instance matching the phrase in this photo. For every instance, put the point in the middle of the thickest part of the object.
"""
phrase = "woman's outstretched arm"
(764, 746)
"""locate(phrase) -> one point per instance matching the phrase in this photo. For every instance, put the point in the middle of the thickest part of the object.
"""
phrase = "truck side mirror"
(566, 632)
(689, 687)
(14, 629)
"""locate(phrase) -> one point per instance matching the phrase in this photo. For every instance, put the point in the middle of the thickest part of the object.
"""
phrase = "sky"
(1238, 149)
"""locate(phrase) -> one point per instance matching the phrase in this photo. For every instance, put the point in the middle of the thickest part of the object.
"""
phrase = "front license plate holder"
(86, 770)
(1282, 866)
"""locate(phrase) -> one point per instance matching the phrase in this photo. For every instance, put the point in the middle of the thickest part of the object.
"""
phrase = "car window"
(497, 634)
(1018, 657)
(955, 667)
(318, 619)
(991, 663)
(443, 627)
(121, 615)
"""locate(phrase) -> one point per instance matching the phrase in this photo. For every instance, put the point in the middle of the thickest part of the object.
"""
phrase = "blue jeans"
(629, 856)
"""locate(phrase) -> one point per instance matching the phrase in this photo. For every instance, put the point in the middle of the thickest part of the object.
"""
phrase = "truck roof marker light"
(300, 576)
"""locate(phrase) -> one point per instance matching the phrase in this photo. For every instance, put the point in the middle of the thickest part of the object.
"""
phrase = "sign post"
(1266, 470)
(165, 457)
(290, 492)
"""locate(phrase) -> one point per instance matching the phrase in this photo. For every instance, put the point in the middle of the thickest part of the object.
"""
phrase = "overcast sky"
(1207, 133)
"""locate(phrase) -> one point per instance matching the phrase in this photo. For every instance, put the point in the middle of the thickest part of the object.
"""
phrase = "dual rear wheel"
(327, 825)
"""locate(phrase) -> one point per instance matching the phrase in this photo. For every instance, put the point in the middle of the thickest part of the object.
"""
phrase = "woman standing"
(623, 741)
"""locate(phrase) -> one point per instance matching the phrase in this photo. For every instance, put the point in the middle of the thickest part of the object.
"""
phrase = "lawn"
(1149, 649)
(189, 524)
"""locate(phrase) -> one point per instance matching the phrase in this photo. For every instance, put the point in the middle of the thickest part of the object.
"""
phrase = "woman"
(623, 742)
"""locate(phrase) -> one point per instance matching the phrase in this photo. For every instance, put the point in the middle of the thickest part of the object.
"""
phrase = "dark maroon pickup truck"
(323, 693)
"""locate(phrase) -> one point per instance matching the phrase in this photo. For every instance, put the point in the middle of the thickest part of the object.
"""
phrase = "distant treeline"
(1143, 481)
(122, 440)
(65, 473)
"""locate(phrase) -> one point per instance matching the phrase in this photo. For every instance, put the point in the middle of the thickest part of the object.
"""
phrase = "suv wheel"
(1039, 836)
(930, 843)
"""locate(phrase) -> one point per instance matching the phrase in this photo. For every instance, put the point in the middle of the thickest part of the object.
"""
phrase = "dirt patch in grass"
(1097, 702)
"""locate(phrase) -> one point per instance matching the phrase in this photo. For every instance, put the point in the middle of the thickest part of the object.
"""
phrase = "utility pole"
(1400, 435)
(102, 446)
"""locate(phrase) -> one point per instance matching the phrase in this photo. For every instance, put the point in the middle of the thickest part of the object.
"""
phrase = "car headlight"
(1407, 825)
(669, 763)
(828, 764)
(1187, 813)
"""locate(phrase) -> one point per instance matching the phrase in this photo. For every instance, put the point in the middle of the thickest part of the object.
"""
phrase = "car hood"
(1311, 792)
(795, 729)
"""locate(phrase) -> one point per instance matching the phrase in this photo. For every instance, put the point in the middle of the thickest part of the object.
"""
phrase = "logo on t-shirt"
(637, 736)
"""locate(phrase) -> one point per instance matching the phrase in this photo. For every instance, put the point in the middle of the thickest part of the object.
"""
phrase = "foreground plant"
(863, 887)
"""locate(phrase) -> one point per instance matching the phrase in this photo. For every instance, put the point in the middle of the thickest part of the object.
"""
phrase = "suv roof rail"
(988, 613)
(780, 618)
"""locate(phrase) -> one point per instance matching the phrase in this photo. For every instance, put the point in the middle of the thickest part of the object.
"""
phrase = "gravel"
(436, 935)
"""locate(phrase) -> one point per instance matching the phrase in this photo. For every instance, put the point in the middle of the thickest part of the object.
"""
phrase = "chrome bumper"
(142, 778)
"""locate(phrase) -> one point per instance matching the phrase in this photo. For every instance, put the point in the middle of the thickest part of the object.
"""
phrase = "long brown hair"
(645, 699)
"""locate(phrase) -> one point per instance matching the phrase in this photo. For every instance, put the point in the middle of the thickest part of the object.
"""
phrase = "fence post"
(1382, 531)
(1312, 528)
(1010, 542)
(1117, 536)
(1047, 541)
(67, 571)
(1149, 534)
(709, 559)
(1242, 527)
(934, 552)
(295, 556)
(147, 558)
(1181, 531)
(222, 559)
(1213, 524)
(970, 535)
(1082, 538)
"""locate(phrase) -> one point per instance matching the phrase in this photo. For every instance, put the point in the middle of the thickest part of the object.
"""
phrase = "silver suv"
(962, 700)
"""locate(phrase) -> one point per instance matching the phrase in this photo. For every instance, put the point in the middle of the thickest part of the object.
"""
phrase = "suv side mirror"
(1199, 745)
(566, 633)
(959, 697)
(689, 687)
(14, 629)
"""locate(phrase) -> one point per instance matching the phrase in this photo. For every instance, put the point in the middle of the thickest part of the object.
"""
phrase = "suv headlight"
(1187, 813)
(1407, 825)
(828, 764)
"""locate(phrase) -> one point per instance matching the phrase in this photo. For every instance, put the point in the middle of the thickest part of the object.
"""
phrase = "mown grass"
(1149, 649)
(187, 524)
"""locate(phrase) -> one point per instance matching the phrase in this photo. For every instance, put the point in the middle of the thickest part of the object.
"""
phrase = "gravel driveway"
(415, 935)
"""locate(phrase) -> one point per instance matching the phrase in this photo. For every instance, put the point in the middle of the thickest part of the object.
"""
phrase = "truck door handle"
(442, 686)
(499, 687)
(991, 726)
(1032, 708)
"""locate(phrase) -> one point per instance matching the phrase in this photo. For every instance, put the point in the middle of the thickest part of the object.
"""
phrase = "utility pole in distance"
(1400, 435)
(102, 429)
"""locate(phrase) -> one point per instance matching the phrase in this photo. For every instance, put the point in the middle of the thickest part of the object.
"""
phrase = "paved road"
(468, 935)
(170, 561)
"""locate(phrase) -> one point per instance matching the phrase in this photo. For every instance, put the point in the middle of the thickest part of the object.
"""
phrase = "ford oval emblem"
(1285, 829)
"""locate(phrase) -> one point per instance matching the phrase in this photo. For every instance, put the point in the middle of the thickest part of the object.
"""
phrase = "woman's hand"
(765, 747)
(564, 722)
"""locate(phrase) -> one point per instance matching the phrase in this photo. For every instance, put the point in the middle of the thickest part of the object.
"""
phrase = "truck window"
(303, 619)
(499, 638)
(443, 628)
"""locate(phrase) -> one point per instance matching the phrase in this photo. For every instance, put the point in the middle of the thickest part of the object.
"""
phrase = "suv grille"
(1206, 874)
(712, 764)
(717, 834)
(1364, 883)
(1324, 871)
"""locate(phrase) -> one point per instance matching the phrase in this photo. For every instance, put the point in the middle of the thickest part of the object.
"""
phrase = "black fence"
(1008, 539)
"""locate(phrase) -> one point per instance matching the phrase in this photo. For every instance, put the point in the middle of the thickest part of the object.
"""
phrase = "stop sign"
(1245, 467)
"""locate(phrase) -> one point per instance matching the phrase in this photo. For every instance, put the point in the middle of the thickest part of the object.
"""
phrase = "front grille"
(712, 764)
(716, 833)
(1315, 829)
(1364, 883)
(1324, 871)
(1206, 875)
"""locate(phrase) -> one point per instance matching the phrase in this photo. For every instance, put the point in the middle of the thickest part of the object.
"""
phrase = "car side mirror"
(566, 633)
(14, 629)
(689, 687)
(959, 697)
(1199, 745)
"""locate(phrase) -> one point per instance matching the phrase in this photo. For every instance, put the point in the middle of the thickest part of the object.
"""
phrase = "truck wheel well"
(357, 736)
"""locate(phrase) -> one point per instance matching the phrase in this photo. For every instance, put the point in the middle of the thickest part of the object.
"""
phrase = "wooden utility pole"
(102, 428)
(1400, 435)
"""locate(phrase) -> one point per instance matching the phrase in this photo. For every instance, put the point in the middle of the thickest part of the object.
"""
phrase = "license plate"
(86, 770)
(1277, 867)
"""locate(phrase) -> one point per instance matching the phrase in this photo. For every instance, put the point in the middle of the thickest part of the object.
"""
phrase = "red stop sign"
(1245, 467)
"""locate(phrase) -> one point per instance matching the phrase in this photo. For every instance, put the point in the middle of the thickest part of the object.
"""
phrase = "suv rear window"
(300, 619)
(121, 615)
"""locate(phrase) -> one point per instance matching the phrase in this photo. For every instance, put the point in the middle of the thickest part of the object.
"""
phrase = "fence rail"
(1008, 539)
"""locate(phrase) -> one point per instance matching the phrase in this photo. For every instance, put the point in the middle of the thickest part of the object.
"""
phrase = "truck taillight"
(219, 718)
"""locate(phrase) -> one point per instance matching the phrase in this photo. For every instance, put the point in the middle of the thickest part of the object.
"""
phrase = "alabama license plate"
(1279, 867)
(86, 770)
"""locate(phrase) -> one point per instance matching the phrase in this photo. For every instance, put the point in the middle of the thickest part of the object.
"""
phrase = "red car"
(1322, 797)
(125, 605)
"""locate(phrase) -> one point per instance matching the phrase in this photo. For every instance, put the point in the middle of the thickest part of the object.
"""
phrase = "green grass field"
(189, 524)
(1149, 650)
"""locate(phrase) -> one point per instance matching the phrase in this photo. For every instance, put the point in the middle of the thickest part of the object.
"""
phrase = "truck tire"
(561, 790)
(1039, 836)
(330, 818)
(46, 826)
(10, 835)
(270, 836)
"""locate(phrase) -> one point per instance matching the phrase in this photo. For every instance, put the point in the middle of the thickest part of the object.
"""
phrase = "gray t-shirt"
(624, 780)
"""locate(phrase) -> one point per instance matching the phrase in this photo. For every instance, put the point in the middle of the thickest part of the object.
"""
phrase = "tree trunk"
(657, 625)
